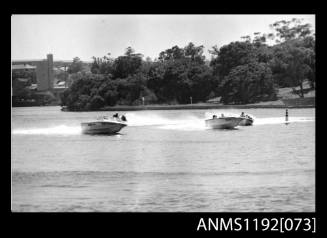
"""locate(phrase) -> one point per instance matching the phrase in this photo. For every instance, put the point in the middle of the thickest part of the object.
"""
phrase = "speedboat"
(223, 122)
(103, 125)
(247, 121)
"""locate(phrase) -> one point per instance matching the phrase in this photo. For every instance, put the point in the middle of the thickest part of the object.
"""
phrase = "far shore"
(308, 102)
(194, 106)
(298, 103)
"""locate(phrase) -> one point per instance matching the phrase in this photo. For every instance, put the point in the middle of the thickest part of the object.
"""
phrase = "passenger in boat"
(242, 114)
(115, 115)
(123, 118)
(214, 116)
(222, 115)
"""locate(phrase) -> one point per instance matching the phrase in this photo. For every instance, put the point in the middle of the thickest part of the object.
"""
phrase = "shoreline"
(192, 107)
(283, 103)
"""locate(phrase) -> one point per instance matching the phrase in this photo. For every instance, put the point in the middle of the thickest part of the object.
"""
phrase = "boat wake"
(191, 123)
(56, 130)
(280, 120)
(186, 123)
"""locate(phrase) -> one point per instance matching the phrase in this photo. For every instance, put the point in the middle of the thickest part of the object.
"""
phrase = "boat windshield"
(106, 118)
(102, 118)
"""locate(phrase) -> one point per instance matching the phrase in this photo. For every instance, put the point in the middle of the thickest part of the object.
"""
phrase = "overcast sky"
(68, 36)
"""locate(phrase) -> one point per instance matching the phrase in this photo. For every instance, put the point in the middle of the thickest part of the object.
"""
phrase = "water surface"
(163, 161)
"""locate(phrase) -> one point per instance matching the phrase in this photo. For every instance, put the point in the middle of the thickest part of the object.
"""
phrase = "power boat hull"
(223, 123)
(101, 127)
(246, 122)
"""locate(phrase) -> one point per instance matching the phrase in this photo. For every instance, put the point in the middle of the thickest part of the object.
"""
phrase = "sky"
(84, 36)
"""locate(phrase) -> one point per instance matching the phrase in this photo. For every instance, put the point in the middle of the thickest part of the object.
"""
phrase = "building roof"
(32, 87)
(62, 83)
(23, 66)
(24, 80)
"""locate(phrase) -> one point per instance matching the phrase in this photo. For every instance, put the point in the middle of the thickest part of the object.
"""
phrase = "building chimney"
(50, 71)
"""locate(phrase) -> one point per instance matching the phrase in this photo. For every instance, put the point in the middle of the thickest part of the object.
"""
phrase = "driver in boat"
(123, 118)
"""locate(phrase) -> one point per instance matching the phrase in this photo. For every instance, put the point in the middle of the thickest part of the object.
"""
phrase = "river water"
(163, 161)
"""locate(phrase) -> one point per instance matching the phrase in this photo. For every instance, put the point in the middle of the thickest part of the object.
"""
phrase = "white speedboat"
(247, 121)
(223, 122)
(103, 125)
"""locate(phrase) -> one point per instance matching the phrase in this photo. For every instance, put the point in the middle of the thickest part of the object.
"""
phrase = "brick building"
(44, 74)
(43, 68)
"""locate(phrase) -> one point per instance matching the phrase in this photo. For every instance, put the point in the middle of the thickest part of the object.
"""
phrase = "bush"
(96, 102)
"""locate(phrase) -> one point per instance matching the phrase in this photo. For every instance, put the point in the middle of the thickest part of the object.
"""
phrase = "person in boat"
(214, 116)
(115, 115)
(222, 115)
(123, 118)
(242, 114)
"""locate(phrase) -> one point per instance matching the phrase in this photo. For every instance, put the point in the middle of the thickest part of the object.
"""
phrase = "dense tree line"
(245, 71)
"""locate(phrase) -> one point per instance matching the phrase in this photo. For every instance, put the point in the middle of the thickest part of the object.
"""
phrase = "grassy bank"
(286, 99)
(308, 102)
(274, 104)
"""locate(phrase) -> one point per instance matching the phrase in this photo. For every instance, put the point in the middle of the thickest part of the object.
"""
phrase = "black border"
(108, 224)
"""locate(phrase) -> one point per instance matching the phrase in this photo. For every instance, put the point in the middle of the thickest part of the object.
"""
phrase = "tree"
(19, 89)
(96, 102)
(127, 65)
(311, 62)
(292, 63)
(310, 43)
(259, 38)
(155, 81)
(87, 92)
(130, 89)
(194, 53)
(203, 83)
(248, 83)
(178, 80)
(293, 29)
(246, 38)
(102, 65)
(174, 53)
(76, 66)
(190, 52)
(231, 55)
(129, 51)
(294, 56)
(181, 73)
